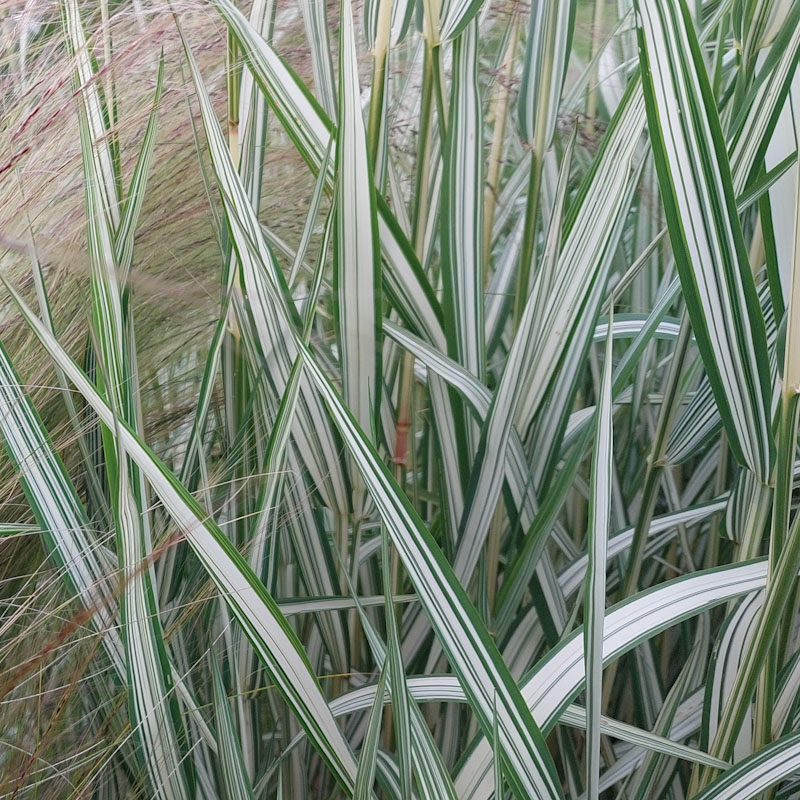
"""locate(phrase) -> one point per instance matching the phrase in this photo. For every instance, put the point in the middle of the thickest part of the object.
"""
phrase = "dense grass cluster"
(398, 399)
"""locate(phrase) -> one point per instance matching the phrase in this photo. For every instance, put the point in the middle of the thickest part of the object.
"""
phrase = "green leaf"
(356, 264)
(463, 636)
(365, 778)
(272, 637)
(710, 254)
(235, 779)
(595, 591)
(462, 209)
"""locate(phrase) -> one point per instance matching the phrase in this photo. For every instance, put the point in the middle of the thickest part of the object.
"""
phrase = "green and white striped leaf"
(728, 652)
(546, 55)
(595, 591)
(235, 779)
(591, 236)
(402, 12)
(517, 474)
(152, 706)
(572, 577)
(369, 748)
(770, 765)
(698, 196)
(315, 18)
(356, 264)
(700, 420)
(432, 776)
(487, 472)
(471, 651)
(759, 111)
(251, 605)
(399, 690)
(309, 129)
(559, 677)
(269, 308)
(134, 199)
(462, 209)
(455, 16)
(59, 513)
(440, 688)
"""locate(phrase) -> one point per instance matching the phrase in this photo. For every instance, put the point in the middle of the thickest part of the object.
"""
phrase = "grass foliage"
(399, 399)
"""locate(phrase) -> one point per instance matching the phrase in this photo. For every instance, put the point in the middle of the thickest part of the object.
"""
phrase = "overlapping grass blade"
(251, 605)
(471, 652)
(595, 592)
(462, 209)
(59, 513)
(357, 275)
(369, 749)
(487, 474)
(153, 708)
(558, 678)
(704, 228)
(235, 779)
(308, 127)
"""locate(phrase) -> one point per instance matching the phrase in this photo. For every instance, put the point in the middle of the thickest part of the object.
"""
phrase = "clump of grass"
(398, 400)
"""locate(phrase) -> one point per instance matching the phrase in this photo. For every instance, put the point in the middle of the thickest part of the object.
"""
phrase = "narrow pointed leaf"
(595, 592)
(710, 254)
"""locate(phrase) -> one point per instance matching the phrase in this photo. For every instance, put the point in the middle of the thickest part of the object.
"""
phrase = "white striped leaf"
(401, 705)
(595, 592)
(268, 317)
(656, 768)
(356, 263)
(315, 18)
(461, 216)
(517, 473)
(559, 677)
(591, 235)
(487, 472)
(402, 12)
(153, 707)
(759, 110)
(759, 664)
(546, 55)
(276, 450)
(698, 196)
(251, 605)
(439, 688)
(235, 780)
(700, 420)
(455, 16)
(134, 199)
(59, 513)
(95, 121)
(365, 777)
(469, 648)
(432, 776)
(308, 127)
(777, 761)
(270, 310)
(626, 326)
(728, 652)
(572, 577)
